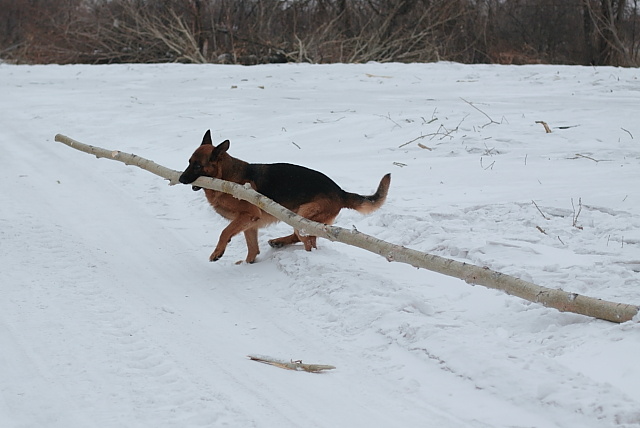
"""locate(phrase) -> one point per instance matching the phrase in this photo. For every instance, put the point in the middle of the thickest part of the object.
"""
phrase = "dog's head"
(205, 161)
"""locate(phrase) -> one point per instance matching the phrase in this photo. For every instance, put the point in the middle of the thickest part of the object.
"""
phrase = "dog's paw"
(215, 256)
(274, 243)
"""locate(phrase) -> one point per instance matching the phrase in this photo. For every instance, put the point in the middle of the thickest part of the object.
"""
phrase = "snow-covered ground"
(112, 316)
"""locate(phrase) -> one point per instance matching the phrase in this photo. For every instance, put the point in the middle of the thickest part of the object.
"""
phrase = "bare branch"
(630, 135)
(540, 211)
(576, 214)
(485, 114)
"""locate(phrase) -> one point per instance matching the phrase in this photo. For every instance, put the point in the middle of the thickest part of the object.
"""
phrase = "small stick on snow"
(490, 166)
(546, 127)
(296, 365)
(578, 155)
(388, 116)
(539, 210)
(411, 141)
(486, 115)
(576, 215)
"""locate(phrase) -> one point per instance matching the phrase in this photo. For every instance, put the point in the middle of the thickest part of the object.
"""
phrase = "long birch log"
(549, 297)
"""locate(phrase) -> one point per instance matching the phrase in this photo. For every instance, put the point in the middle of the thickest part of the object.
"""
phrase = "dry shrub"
(319, 31)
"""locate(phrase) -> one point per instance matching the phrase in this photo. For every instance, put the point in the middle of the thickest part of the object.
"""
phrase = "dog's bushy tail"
(367, 204)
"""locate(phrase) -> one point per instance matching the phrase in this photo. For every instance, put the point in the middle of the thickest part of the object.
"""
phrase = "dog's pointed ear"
(224, 146)
(221, 148)
(207, 138)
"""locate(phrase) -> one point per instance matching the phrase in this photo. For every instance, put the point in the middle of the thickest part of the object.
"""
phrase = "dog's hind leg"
(285, 240)
(309, 242)
(321, 211)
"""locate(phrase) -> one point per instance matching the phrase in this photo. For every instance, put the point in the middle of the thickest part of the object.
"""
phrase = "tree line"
(587, 32)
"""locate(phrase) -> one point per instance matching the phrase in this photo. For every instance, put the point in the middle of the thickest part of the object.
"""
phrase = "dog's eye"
(197, 167)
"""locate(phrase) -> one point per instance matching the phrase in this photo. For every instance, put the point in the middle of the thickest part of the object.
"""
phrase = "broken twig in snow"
(546, 127)
(485, 114)
(578, 155)
(576, 214)
(296, 365)
(553, 298)
(539, 210)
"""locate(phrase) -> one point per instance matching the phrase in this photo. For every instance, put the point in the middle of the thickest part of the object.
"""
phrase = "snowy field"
(112, 316)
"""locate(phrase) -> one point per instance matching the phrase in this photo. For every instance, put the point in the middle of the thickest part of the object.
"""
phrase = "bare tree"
(603, 23)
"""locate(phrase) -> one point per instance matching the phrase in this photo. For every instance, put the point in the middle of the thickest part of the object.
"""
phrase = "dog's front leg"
(242, 222)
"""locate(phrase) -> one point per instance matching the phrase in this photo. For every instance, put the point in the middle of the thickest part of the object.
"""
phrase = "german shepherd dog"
(304, 191)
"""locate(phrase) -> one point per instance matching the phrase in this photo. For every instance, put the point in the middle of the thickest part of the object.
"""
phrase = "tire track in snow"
(114, 363)
(86, 341)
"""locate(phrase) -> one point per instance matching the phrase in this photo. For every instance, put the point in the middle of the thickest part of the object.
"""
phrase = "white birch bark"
(550, 297)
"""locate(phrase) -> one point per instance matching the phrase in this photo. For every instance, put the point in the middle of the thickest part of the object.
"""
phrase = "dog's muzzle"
(188, 180)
